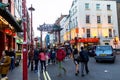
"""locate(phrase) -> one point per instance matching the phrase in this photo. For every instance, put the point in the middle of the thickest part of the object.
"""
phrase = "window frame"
(98, 19)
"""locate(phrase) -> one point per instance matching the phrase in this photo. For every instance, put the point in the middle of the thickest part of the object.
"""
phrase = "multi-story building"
(64, 34)
(94, 19)
(18, 16)
(8, 25)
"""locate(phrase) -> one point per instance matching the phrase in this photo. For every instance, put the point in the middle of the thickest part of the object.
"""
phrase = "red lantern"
(7, 31)
(14, 34)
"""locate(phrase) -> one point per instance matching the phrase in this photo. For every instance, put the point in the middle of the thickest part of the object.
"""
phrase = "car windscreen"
(103, 50)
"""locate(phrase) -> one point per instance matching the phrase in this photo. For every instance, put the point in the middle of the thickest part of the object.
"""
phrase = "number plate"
(103, 55)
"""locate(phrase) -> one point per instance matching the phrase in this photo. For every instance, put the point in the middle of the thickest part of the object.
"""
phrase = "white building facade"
(94, 18)
(64, 34)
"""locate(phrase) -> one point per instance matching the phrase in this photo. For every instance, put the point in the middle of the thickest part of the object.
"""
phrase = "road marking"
(38, 73)
(45, 78)
(48, 76)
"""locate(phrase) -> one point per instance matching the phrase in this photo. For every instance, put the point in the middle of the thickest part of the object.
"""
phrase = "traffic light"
(3, 5)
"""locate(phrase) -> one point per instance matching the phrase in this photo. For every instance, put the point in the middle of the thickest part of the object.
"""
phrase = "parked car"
(104, 52)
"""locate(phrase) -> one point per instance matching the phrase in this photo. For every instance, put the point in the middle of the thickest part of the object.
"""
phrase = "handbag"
(79, 58)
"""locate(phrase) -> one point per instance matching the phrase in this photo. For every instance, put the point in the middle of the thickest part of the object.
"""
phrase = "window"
(87, 19)
(97, 6)
(109, 19)
(88, 32)
(98, 19)
(86, 5)
(108, 7)
(110, 32)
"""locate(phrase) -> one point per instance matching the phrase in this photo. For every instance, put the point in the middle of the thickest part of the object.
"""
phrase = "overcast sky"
(48, 11)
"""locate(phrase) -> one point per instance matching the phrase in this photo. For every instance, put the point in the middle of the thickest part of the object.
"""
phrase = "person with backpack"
(53, 55)
(84, 61)
(60, 56)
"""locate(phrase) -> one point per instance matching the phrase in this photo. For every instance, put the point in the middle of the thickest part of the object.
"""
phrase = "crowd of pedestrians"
(56, 55)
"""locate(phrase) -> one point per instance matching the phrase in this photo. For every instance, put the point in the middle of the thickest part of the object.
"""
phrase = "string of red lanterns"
(8, 31)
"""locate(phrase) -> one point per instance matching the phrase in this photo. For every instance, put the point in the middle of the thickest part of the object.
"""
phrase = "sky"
(47, 11)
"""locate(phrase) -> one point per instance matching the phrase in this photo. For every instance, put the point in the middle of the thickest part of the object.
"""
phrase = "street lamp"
(24, 50)
(31, 9)
(70, 24)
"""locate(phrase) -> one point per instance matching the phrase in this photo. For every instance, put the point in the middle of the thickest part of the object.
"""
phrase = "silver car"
(104, 52)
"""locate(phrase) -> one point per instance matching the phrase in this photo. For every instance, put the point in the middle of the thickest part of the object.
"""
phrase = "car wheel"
(113, 61)
(97, 61)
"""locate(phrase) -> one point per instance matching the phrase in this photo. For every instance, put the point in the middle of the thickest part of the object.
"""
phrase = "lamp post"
(70, 24)
(31, 10)
(24, 49)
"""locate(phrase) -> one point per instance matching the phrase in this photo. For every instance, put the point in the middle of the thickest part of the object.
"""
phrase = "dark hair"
(82, 48)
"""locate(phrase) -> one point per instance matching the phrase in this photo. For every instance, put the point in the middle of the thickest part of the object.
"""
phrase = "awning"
(8, 17)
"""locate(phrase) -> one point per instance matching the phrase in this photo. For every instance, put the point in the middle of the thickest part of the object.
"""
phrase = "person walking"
(30, 58)
(60, 56)
(84, 61)
(4, 64)
(53, 56)
(12, 56)
(76, 61)
(36, 58)
(42, 58)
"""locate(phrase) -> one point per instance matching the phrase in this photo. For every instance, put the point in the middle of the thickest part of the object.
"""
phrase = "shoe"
(82, 75)
(76, 74)
(87, 72)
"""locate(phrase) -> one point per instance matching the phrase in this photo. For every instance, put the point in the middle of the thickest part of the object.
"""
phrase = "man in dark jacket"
(36, 58)
(84, 61)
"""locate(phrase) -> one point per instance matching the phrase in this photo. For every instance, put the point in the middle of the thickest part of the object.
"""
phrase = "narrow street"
(98, 71)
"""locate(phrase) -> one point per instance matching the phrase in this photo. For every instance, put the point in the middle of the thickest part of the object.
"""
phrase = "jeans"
(84, 65)
(36, 64)
(43, 65)
(12, 65)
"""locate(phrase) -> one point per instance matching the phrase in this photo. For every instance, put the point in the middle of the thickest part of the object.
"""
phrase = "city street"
(98, 71)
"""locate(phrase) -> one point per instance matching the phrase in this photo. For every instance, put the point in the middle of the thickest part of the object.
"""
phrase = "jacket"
(60, 55)
(4, 68)
(42, 56)
(84, 56)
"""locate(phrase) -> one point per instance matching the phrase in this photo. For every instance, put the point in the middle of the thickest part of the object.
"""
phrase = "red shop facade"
(8, 29)
(84, 41)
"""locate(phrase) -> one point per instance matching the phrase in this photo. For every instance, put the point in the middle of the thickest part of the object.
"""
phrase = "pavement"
(16, 74)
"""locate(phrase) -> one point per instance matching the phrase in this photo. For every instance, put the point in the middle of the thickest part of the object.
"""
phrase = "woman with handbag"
(76, 60)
